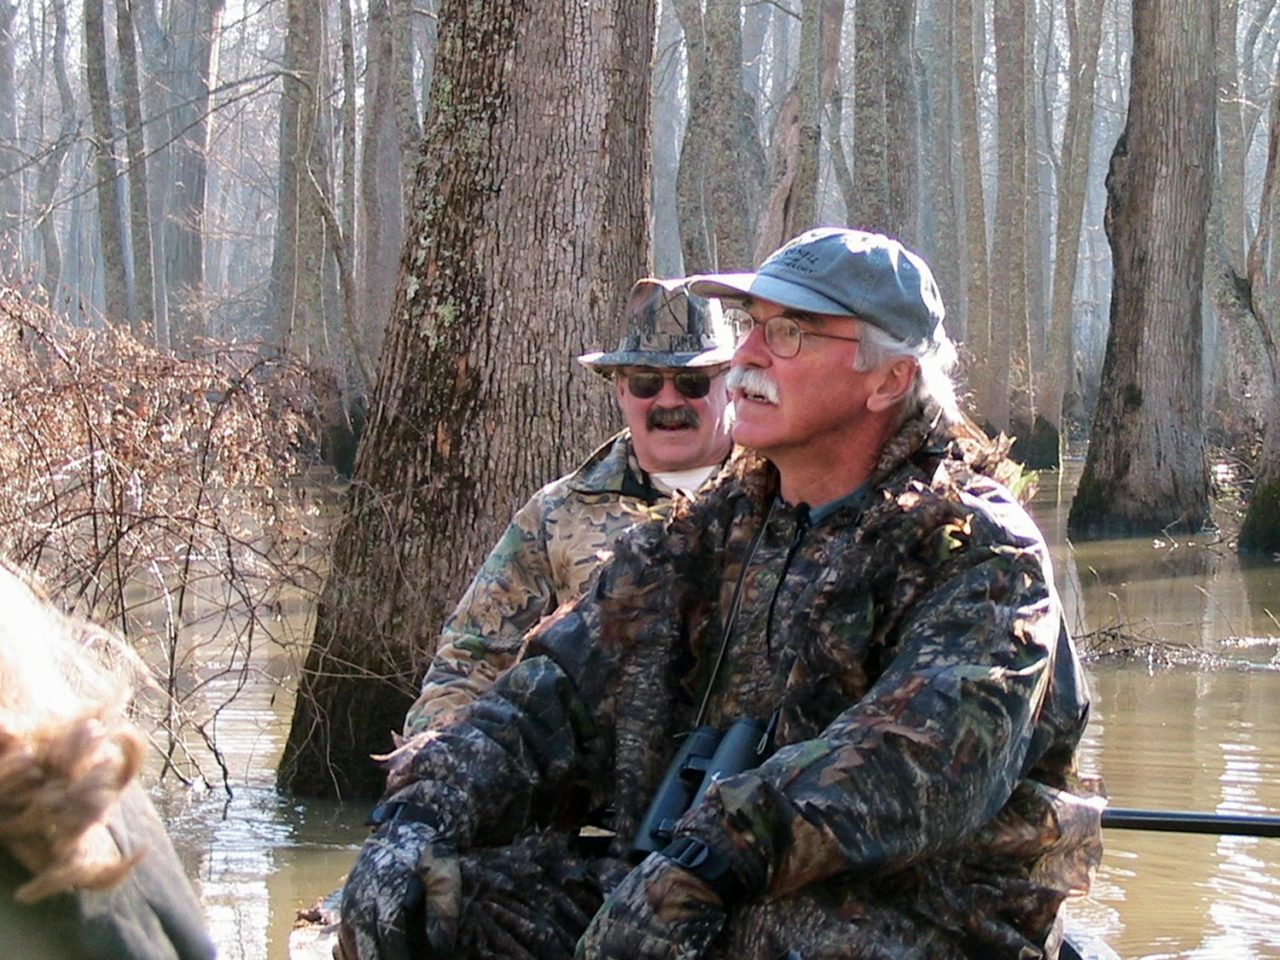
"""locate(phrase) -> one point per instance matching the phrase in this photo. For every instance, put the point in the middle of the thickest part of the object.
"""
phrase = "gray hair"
(936, 357)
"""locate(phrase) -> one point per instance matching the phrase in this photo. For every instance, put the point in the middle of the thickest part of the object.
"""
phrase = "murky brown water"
(1172, 738)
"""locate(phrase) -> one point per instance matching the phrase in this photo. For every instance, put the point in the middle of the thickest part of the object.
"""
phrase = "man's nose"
(752, 350)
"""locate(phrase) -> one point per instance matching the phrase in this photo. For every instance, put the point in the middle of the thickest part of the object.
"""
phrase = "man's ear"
(894, 384)
(617, 385)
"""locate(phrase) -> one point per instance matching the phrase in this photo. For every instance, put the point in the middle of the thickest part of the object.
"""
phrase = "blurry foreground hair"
(66, 750)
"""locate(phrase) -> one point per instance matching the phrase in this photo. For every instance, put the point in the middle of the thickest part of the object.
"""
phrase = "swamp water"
(1167, 737)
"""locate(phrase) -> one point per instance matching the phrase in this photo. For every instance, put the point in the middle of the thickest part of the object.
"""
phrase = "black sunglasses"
(691, 384)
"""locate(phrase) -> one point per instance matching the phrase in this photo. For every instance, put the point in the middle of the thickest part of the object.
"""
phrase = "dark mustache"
(672, 417)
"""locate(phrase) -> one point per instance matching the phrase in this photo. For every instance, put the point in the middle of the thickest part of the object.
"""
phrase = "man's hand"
(659, 912)
(403, 897)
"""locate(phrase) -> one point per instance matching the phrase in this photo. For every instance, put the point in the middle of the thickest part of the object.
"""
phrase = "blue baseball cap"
(843, 273)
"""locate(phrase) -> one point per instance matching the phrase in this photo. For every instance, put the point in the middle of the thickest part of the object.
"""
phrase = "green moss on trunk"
(1260, 532)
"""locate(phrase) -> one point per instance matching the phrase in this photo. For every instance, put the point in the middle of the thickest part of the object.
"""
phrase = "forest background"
(238, 239)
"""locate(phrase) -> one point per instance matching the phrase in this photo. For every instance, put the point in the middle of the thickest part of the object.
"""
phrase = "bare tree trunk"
(407, 122)
(871, 207)
(193, 31)
(381, 183)
(902, 124)
(940, 228)
(144, 319)
(110, 227)
(1238, 375)
(1084, 31)
(1232, 144)
(50, 168)
(977, 288)
(299, 267)
(665, 117)
(11, 159)
(721, 163)
(1011, 402)
(1145, 470)
(1260, 531)
(476, 403)
(792, 185)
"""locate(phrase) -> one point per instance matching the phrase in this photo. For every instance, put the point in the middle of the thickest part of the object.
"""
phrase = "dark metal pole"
(1178, 821)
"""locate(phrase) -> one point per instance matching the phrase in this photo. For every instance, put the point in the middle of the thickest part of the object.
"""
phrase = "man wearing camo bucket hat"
(668, 374)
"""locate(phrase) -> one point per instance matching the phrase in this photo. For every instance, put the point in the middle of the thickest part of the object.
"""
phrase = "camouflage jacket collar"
(925, 440)
(614, 469)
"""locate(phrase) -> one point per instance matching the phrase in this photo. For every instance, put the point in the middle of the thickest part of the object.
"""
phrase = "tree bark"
(106, 170)
(528, 226)
(1145, 470)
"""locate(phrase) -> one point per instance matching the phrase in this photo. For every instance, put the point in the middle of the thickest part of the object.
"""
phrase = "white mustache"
(752, 380)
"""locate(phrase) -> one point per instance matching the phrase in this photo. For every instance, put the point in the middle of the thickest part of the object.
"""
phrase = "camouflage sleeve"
(513, 755)
(543, 735)
(509, 594)
(935, 748)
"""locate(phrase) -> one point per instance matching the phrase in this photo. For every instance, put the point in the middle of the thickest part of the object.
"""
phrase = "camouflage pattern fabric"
(544, 558)
(924, 800)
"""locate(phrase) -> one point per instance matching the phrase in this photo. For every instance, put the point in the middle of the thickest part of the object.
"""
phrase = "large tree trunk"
(528, 226)
(1145, 470)
(105, 168)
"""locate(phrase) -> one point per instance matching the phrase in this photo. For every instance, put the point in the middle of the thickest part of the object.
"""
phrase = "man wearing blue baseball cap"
(864, 598)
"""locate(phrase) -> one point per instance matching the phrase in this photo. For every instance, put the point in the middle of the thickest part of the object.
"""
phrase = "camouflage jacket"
(929, 701)
(552, 545)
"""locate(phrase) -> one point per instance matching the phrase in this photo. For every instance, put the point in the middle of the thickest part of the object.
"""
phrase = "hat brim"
(737, 286)
(601, 361)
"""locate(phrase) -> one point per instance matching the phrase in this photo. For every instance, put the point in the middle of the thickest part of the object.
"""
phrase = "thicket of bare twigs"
(158, 494)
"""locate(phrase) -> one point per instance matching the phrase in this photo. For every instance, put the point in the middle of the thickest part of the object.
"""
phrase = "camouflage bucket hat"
(665, 328)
